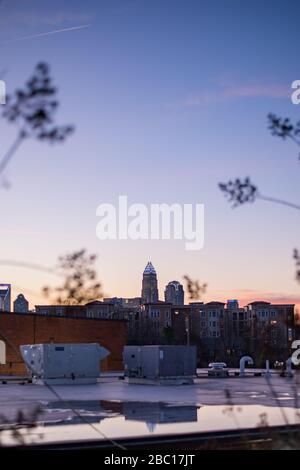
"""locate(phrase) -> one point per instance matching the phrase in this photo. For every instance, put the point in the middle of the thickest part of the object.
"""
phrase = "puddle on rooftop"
(132, 418)
(88, 420)
(73, 412)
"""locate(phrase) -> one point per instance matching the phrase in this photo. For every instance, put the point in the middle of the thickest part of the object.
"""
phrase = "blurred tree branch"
(284, 128)
(239, 192)
(80, 283)
(33, 109)
(194, 288)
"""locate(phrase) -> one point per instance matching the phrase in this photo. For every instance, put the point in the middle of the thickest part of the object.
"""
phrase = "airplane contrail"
(48, 33)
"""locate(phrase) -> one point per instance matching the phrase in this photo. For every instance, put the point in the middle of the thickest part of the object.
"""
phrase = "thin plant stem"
(279, 201)
(11, 152)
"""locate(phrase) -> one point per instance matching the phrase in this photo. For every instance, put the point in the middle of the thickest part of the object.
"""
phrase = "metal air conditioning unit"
(160, 364)
(60, 364)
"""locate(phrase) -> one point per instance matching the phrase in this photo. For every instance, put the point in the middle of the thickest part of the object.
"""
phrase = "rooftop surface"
(112, 408)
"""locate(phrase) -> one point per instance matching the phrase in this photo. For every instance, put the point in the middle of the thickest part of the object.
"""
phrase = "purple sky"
(168, 99)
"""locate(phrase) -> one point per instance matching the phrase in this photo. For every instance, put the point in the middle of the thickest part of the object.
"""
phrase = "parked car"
(279, 365)
(217, 369)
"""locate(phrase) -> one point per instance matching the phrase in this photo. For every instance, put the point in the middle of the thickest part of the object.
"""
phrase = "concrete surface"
(117, 409)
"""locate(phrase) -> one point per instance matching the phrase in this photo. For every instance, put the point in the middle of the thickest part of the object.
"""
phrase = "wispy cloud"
(47, 33)
(236, 92)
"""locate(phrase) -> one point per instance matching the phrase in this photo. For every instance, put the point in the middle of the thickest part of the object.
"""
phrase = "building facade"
(124, 302)
(174, 293)
(227, 332)
(272, 328)
(150, 323)
(95, 309)
(17, 329)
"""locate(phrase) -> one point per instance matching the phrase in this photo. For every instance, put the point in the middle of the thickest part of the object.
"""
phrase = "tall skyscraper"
(21, 304)
(174, 293)
(5, 296)
(149, 285)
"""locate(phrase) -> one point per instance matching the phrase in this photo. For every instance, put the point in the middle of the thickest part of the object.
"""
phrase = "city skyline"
(150, 293)
(166, 117)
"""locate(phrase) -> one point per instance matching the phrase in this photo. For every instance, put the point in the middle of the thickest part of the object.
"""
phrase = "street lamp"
(187, 329)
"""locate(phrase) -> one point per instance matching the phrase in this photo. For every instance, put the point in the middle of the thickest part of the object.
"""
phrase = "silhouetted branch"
(279, 201)
(239, 192)
(11, 151)
(284, 128)
(21, 424)
(25, 264)
(194, 289)
(32, 109)
(80, 284)
(296, 257)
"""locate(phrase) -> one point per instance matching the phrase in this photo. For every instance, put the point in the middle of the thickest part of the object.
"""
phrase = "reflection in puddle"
(152, 413)
(108, 420)
(159, 412)
(120, 418)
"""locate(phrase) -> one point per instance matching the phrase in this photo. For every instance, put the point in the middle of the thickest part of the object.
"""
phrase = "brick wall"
(17, 329)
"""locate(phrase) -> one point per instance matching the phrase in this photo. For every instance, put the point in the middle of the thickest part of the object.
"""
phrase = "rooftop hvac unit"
(60, 364)
(160, 364)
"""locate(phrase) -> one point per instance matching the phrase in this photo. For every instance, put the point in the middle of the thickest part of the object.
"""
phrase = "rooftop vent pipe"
(245, 360)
